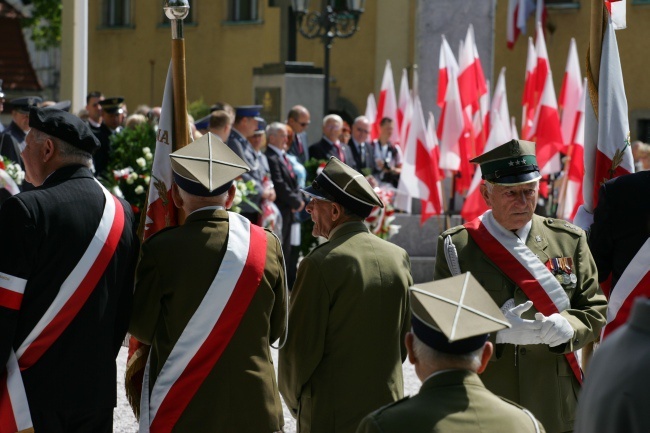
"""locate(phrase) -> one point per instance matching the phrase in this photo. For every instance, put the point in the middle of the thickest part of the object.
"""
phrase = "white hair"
(67, 151)
(490, 185)
(332, 118)
(275, 127)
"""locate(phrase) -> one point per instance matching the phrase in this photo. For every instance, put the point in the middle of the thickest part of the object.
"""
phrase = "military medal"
(574, 279)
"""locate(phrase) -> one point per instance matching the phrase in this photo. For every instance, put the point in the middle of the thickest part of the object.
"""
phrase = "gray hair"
(361, 119)
(275, 127)
(490, 185)
(440, 360)
(67, 151)
(333, 118)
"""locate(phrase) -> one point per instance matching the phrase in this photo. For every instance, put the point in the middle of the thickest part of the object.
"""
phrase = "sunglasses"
(304, 124)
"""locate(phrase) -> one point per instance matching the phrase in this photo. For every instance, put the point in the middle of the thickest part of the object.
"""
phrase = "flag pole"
(177, 11)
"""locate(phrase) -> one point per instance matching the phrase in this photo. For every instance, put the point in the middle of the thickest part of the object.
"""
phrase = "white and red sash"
(634, 282)
(523, 267)
(73, 294)
(210, 329)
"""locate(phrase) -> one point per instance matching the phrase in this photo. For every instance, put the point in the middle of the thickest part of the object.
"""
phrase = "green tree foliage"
(45, 22)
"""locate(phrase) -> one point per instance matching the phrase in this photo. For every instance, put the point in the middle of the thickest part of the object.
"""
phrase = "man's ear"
(337, 211)
(231, 195)
(485, 194)
(488, 348)
(48, 150)
(176, 196)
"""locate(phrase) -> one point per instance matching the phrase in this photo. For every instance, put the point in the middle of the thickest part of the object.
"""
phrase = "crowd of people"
(494, 338)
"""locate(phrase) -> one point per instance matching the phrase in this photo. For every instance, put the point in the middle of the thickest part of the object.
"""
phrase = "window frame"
(109, 18)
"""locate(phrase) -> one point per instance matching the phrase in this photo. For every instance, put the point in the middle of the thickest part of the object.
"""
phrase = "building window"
(562, 4)
(190, 16)
(116, 13)
(243, 10)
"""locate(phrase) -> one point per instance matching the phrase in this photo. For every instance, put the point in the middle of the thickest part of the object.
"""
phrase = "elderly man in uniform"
(245, 125)
(349, 311)
(209, 298)
(448, 345)
(67, 270)
(541, 272)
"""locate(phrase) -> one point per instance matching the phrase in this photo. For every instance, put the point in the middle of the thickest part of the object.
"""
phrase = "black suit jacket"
(288, 195)
(324, 150)
(362, 158)
(102, 155)
(295, 149)
(45, 232)
(621, 223)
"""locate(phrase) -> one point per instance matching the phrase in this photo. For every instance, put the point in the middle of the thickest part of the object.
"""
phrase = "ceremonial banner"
(546, 131)
(404, 109)
(528, 97)
(371, 113)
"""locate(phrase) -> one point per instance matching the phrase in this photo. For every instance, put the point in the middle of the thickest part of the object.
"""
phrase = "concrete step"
(417, 240)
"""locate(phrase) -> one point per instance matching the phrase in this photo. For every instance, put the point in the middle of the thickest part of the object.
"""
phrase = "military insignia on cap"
(514, 148)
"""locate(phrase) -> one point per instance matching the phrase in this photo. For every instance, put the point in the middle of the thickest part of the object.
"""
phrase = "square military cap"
(454, 315)
(24, 103)
(512, 163)
(249, 111)
(341, 184)
(64, 126)
(113, 105)
(206, 167)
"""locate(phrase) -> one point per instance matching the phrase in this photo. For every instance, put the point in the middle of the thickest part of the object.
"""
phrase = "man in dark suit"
(288, 197)
(361, 148)
(448, 345)
(329, 145)
(68, 261)
(94, 109)
(219, 304)
(298, 120)
(619, 240)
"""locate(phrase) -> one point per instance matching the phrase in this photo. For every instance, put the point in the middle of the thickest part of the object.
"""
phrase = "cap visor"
(312, 192)
(259, 119)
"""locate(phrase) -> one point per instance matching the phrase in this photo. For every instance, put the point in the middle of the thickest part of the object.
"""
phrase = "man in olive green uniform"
(449, 347)
(541, 272)
(348, 314)
(210, 297)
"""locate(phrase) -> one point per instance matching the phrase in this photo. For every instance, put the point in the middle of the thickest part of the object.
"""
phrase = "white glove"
(522, 331)
(555, 330)
(583, 219)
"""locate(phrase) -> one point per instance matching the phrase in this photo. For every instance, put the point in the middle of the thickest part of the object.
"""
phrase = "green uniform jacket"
(448, 402)
(176, 268)
(348, 315)
(536, 376)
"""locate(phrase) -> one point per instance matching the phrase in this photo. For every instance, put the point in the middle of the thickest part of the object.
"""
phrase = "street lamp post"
(327, 25)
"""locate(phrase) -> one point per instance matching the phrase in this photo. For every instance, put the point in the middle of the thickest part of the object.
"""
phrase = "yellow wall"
(220, 57)
(575, 23)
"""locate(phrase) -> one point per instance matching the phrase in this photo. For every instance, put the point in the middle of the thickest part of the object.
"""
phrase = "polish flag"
(546, 131)
(387, 106)
(571, 195)
(371, 113)
(518, 13)
(403, 107)
(570, 95)
(455, 133)
(447, 62)
(607, 134)
(500, 132)
(533, 91)
(420, 173)
(616, 9)
(528, 98)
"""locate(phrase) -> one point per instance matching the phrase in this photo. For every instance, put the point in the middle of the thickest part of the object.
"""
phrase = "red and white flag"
(447, 63)
(607, 134)
(546, 131)
(387, 106)
(570, 95)
(404, 109)
(616, 9)
(500, 133)
(518, 13)
(528, 101)
(161, 211)
(371, 113)
(420, 173)
(571, 194)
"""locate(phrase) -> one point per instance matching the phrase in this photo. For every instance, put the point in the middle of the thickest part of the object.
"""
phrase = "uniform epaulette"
(453, 230)
(395, 403)
(159, 232)
(563, 225)
(511, 402)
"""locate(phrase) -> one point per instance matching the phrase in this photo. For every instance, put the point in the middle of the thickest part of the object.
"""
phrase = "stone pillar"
(278, 87)
(74, 55)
